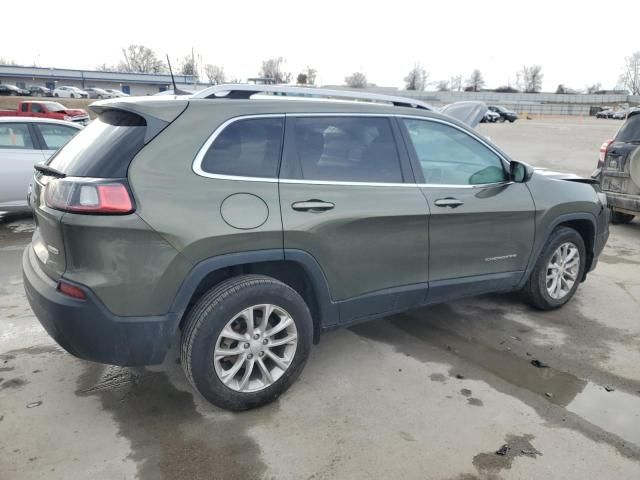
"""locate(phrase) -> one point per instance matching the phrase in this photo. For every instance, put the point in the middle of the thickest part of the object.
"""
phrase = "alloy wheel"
(562, 270)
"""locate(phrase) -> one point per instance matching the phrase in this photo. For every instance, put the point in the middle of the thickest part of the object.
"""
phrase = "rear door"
(482, 225)
(618, 171)
(18, 153)
(349, 200)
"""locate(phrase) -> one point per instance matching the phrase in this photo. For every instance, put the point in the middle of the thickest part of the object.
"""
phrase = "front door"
(482, 224)
(345, 202)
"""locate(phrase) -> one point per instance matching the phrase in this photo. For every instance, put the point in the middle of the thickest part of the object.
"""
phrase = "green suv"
(248, 219)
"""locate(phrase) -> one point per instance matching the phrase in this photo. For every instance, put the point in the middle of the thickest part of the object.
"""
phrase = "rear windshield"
(630, 131)
(104, 148)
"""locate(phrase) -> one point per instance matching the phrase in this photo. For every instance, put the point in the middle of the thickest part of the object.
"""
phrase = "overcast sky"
(576, 43)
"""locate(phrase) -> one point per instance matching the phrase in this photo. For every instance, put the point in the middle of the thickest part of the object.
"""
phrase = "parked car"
(23, 143)
(606, 113)
(504, 113)
(70, 92)
(620, 114)
(116, 93)
(490, 117)
(12, 90)
(98, 93)
(249, 226)
(618, 170)
(53, 110)
(38, 91)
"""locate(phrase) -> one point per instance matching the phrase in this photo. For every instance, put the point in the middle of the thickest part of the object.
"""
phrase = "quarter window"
(15, 135)
(247, 148)
(449, 156)
(353, 149)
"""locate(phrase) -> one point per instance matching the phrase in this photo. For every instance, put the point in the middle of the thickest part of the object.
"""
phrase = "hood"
(571, 177)
(74, 112)
(470, 113)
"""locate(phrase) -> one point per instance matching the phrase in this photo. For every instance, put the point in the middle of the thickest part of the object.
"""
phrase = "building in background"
(131, 83)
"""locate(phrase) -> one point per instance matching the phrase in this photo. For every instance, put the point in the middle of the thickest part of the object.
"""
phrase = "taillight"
(71, 290)
(89, 195)
(603, 152)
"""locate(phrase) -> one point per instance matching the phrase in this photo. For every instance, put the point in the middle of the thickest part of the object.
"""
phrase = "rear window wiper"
(47, 170)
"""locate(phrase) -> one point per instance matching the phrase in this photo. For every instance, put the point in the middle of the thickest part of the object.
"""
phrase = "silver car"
(25, 141)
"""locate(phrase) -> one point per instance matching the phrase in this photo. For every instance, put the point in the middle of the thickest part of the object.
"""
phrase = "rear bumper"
(86, 328)
(623, 201)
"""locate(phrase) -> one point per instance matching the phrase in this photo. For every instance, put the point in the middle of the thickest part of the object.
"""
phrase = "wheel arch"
(296, 268)
(582, 222)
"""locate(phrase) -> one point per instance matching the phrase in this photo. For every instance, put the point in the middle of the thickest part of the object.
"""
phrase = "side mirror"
(520, 172)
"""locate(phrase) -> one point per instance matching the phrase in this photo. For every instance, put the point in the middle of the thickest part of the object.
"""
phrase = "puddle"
(616, 412)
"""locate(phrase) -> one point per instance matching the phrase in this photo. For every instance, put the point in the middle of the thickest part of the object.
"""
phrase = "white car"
(116, 93)
(25, 141)
(70, 92)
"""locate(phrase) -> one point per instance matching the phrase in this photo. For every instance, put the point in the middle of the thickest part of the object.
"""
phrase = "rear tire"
(621, 218)
(237, 366)
(540, 290)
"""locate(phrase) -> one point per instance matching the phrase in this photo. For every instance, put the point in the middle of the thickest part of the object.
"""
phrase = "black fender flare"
(546, 233)
(327, 309)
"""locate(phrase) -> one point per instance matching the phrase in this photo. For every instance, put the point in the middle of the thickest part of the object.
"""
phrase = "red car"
(48, 110)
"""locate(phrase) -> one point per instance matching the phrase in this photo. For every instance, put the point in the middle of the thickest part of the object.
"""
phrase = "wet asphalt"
(430, 394)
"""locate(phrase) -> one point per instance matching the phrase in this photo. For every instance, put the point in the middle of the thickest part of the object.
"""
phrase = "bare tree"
(215, 73)
(307, 77)
(530, 78)
(630, 77)
(416, 79)
(106, 68)
(356, 80)
(443, 86)
(596, 87)
(7, 61)
(272, 68)
(475, 81)
(138, 58)
(456, 83)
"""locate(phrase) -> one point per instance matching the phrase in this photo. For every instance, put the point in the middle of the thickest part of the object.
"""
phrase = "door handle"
(314, 206)
(448, 202)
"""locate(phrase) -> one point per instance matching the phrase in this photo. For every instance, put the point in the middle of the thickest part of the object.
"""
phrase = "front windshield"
(54, 107)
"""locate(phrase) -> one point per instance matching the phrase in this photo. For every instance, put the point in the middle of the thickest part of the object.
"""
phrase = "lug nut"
(261, 354)
(265, 341)
(250, 356)
(256, 336)
(246, 345)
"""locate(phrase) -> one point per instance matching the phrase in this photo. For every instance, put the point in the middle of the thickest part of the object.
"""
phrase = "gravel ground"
(432, 394)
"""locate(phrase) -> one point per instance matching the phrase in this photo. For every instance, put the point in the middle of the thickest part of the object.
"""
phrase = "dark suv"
(619, 170)
(505, 115)
(248, 224)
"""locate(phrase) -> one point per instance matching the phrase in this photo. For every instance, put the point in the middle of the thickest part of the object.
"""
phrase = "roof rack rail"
(246, 91)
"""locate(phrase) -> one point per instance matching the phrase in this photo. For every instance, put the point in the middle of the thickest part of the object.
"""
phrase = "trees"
(596, 87)
(215, 74)
(307, 77)
(416, 79)
(630, 77)
(356, 80)
(456, 83)
(443, 86)
(7, 61)
(273, 68)
(530, 78)
(475, 82)
(140, 59)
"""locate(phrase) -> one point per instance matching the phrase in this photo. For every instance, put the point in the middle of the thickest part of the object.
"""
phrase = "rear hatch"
(99, 155)
(622, 159)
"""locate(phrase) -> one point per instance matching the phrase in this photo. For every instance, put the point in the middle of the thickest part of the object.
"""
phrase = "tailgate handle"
(448, 202)
(314, 206)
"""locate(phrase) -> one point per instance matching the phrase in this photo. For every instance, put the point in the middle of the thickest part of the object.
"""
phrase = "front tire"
(558, 270)
(621, 218)
(246, 341)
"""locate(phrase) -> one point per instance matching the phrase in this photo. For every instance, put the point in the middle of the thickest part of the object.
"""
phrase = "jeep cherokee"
(248, 219)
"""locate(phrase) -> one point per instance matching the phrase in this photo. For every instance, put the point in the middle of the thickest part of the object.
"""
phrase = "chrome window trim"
(197, 162)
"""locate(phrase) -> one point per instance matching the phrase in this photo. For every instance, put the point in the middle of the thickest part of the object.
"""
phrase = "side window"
(24, 107)
(15, 135)
(449, 156)
(350, 149)
(55, 136)
(36, 108)
(247, 148)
